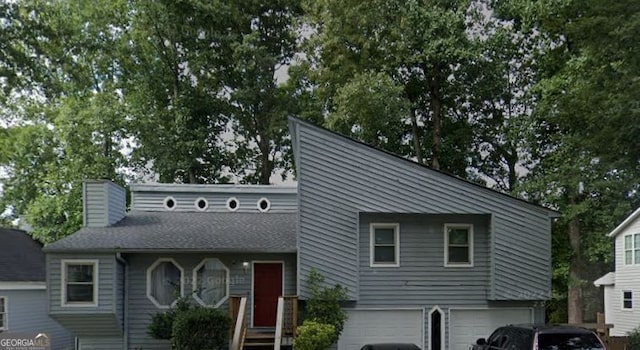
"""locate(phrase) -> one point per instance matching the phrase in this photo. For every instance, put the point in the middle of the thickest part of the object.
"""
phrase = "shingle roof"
(21, 258)
(188, 231)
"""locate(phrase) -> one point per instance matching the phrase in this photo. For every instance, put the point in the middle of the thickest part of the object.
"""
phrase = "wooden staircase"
(244, 338)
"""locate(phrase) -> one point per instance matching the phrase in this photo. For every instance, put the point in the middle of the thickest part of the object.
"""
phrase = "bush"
(161, 326)
(633, 339)
(313, 335)
(200, 329)
(324, 305)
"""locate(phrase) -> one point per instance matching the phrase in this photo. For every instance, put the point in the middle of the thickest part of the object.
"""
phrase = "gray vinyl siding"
(140, 308)
(104, 203)
(338, 178)
(421, 276)
(100, 343)
(27, 312)
(119, 293)
(97, 320)
(217, 202)
(116, 203)
(93, 202)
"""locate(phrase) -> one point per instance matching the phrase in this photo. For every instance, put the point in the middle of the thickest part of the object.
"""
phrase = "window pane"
(628, 258)
(1, 305)
(212, 282)
(165, 283)
(458, 236)
(637, 239)
(384, 236)
(385, 255)
(627, 295)
(628, 304)
(637, 253)
(459, 255)
(80, 273)
(627, 242)
(79, 293)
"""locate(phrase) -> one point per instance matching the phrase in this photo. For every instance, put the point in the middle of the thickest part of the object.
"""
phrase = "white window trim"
(167, 199)
(231, 199)
(260, 201)
(206, 204)
(396, 238)
(623, 299)
(632, 249)
(182, 281)
(5, 315)
(195, 283)
(446, 245)
(96, 286)
(442, 326)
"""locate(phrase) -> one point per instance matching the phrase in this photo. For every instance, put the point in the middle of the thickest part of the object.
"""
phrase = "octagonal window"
(211, 282)
(164, 282)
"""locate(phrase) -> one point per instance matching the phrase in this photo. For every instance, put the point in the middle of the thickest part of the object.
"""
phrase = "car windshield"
(559, 341)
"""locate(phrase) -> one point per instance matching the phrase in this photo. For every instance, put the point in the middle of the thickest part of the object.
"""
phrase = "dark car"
(390, 346)
(540, 337)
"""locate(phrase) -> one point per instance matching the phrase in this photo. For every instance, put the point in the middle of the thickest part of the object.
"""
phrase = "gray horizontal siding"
(93, 203)
(116, 202)
(101, 318)
(100, 343)
(186, 201)
(421, 276)
(339, 178)
(140, 308)
(27, 312)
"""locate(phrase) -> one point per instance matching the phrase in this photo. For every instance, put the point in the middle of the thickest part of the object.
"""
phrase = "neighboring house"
(426, 257)
(23, 295)
(622, 287)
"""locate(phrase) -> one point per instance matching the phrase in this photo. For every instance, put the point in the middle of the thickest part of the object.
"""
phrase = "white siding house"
(622, 287)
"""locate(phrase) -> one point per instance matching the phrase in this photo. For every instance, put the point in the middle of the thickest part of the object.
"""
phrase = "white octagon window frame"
(63, 295)
(195, 283)
(149, 271)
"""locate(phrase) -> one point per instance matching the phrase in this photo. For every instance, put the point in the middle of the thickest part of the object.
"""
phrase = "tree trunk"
(574, 285)
(415, 131)
(436, 110)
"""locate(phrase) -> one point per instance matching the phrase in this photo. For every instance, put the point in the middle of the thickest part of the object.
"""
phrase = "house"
(622, 287)
(23, 294)
(426, 257)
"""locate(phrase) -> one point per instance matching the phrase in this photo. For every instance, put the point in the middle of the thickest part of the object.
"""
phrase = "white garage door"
(381, 326)
(466, 326)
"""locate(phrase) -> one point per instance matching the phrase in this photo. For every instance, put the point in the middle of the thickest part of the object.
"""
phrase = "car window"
(498, 339)
(560, 341)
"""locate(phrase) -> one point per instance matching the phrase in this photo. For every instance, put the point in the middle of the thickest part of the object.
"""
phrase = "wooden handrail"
(279, 324)
(240, 324)
(291, 310)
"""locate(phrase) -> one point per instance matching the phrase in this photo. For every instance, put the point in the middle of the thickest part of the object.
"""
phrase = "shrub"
(324, 304)
(161, 325)
(314, 335)
(200, 329)
(633, 339)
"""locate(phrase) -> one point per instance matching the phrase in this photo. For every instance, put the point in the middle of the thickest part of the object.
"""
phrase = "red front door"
(267, 287)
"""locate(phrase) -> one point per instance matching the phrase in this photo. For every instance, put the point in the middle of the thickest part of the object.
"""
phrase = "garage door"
(466, 326)
(381, 326)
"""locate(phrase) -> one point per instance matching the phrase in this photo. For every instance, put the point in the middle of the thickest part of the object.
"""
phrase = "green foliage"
(200, 328)
(161, 325)
(314, 335)
(633, 339)
(324, 304)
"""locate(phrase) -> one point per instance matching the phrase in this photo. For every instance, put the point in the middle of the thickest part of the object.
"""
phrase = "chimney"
(103, 203)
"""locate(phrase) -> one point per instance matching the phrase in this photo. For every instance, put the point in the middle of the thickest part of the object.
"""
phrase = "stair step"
(251, 335)
(248, 345)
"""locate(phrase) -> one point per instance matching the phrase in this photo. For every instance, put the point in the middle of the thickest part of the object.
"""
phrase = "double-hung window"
(632, 249)
(627, 300)
(385, 245)
(458, 245)
(80, 283)
(3, 314)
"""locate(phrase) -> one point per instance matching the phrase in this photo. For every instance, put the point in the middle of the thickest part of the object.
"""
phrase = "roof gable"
(22, 259)
(630, 219)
